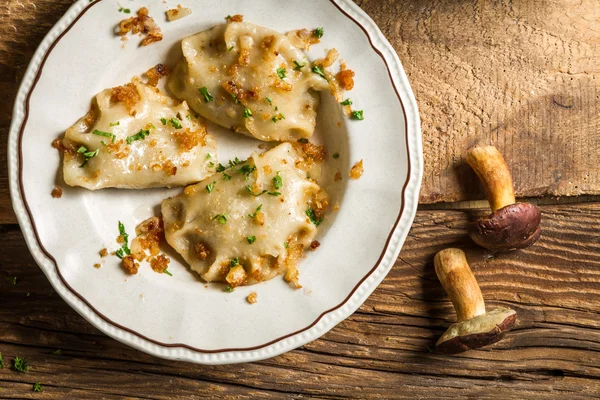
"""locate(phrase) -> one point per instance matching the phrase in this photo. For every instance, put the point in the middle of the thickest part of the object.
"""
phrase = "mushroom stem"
(459, 283)
(490, 167)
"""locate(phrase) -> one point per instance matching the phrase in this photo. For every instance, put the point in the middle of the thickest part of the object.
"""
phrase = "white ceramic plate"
(178, 317)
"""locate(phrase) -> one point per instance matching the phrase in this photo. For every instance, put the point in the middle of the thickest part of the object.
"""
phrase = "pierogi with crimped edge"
(136, 137)
(251, 221)
(249, 79)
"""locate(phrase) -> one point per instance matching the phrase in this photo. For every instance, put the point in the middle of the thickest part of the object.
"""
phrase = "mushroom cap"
(477, 332)
(515, 226)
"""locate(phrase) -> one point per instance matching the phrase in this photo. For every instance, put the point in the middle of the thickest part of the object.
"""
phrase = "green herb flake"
(208, 156)
(235, 98)
(175, 122)
(336, 155)
(221, 168)
(164, 121)
(138, 136)
(37, 387)
(298, 66)
(86, 154)
(286, 245)
(253, 215)
(234, 262)
(234, 162)
(166, 271)
(269, 101)
(318, 32)
(251, 239)
(247, 113)
(274, 193)
(313, 217)
(319, 71)
(206, 94)
(115, 123)
(229, 49)
(221, 218)
(124, 247)
(226, 176)
(211, 164)
(229, 289)
(57, 352)
(247, 169)
(122, 9)
(281, 73)
(357, 115)
(20, 364)
(1, 361)
(278, 117)
(249, 190)
(346, 102)
(210, 187)
(277, 181)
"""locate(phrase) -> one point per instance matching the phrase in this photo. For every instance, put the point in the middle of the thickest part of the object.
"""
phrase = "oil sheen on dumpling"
(157, 142)
(250, 222)
(249, 79)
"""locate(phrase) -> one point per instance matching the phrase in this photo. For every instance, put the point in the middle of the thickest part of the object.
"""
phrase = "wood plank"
(379, 352)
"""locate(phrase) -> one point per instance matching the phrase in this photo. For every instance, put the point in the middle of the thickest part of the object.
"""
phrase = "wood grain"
(379, 352)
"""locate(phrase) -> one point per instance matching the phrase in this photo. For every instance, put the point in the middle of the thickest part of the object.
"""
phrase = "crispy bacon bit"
(236, 276)
(103, 252)
(337, 177)
(302, 39)
(169, 168)
(282, 85)
(291, 275)
(201, 251)
(345, 78)
(130, 265)
(314, 245)
(143, 24)
(97, 266)
(127, 94)
(160, 263)
(254, 93)
(188, 139)
(244, 58)
(320, 203)
(252, 298)
(330, 58)
(234, 90)
(150, 232)
(317, 153)
(267, 42)
(178, 13)
(357, 170)
(123, 154)
(155, 73)
(235, 18)
(56, 193)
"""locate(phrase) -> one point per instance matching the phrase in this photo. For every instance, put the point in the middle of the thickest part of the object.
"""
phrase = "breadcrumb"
(160, 263)
(103, 252)
(252, 298)
(130, 265)
(97, 265)
(357, 170)
(57, 193)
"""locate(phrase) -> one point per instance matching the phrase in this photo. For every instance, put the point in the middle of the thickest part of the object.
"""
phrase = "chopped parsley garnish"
(281, 73)
(229, 49)
(229, 289)
(278, 117)
(57, 352)
(207, 96)
(115, 123)
(124, 10)
(37, 387)
(235, 99)
(124, 247)
(269, 101)
(298, 66)
(1, 361)
(226, 176)
(274, 193)
(221, 218)
(211, 164)
(313, 218)
(166, 271)
(247, 169)
(210, 187)
(208, 156)
(221, 168)
(138, 136)
(277, 181)
(189, 116)
(175, 122)
(303, 140)
(164, 121)
(249, 190)
(20, 364)
(286, 245)
(247, 113)
(318, 32)
(319, 71)
(256, 211)
(234, 262)
(86, 154)
(251, 239)
(234, 162)
(346, 102)
(358, 115)
(336, 155)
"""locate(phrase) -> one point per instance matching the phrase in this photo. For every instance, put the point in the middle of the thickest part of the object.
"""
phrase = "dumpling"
(252, 221)
(136, 137)
(250, 79)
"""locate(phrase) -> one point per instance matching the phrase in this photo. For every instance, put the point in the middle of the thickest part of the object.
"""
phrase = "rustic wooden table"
(518, 74)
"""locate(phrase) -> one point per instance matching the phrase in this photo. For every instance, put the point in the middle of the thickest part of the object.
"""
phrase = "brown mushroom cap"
(477, 332)
(515, 226)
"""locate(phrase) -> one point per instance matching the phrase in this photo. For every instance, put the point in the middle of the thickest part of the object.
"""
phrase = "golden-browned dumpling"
(250, 222)
(136, 137)
(250, 79)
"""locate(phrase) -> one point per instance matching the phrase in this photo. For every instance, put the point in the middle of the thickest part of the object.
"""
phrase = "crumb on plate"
(252, 298)
(357, 170)
(57, 193)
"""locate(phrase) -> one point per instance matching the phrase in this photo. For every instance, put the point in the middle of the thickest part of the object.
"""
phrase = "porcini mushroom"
(474, 327)
(511, 225)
